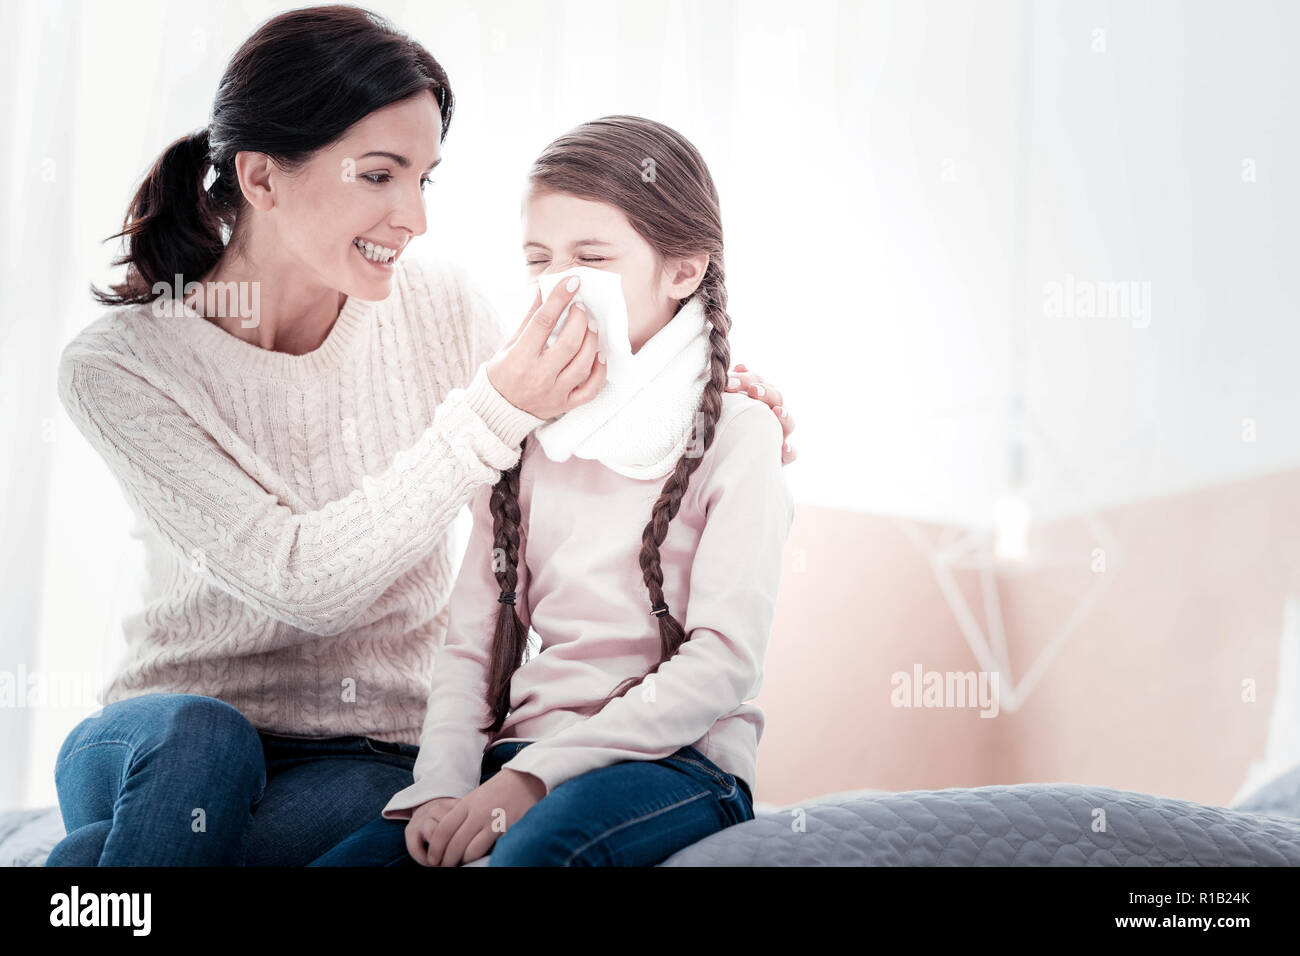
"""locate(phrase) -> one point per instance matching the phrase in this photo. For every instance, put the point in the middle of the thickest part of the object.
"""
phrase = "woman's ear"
(255, 171)
(685, 273)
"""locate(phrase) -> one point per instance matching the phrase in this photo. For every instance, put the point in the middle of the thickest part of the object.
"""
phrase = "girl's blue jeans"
(632, 813)
(186, 780)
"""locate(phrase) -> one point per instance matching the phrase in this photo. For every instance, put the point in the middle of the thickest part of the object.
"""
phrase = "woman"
(295, 462)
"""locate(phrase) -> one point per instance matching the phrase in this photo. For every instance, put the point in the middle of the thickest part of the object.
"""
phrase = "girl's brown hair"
(659, 181)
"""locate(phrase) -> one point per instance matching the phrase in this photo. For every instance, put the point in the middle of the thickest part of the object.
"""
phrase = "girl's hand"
(422, 824)
(549, 381)
(469, 828)
(754, 386)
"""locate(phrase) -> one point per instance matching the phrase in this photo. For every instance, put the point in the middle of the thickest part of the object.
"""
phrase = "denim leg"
(382, 842)
(379, 843)
(174, 777)
(320, 793)
(632, 813)
(82, 847)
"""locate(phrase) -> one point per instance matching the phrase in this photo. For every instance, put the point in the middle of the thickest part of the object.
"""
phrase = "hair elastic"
(507, 597)
(658, 610)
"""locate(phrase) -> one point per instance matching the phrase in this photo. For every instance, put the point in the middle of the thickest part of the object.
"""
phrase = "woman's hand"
(549, 381)
(469, 828)
(753, 385)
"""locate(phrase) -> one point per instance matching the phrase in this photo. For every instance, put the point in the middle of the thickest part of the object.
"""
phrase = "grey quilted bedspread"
(1029, 824)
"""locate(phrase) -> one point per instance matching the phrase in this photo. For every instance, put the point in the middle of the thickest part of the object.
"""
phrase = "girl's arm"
(318, 570)
(451, 745)
(734, 581)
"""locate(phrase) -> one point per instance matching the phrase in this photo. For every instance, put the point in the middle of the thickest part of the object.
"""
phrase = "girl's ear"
(685, 273)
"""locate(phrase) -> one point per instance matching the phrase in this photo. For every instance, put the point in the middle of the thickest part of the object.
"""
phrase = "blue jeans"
(632, 813)
(186, 780)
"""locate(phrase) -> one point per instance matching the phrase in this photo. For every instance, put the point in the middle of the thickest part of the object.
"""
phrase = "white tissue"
(601, 294)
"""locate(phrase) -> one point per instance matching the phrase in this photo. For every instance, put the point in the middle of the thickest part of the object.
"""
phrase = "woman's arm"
(451, 745)
(316, 570)
(735, 575)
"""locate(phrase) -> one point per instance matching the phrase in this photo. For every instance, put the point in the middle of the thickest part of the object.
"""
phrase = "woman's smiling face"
(369, 185)
(562, 231)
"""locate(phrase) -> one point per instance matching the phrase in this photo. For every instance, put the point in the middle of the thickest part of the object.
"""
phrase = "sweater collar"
(236, 355)
(640, 428)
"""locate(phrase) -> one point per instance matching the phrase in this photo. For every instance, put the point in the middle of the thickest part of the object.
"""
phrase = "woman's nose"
(411, 214)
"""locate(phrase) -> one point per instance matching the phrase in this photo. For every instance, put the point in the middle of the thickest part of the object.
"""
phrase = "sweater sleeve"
(734, 580)
(451, 745)
(317, 570)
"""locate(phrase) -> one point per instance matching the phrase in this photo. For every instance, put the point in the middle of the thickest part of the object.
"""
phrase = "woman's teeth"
(374, 253)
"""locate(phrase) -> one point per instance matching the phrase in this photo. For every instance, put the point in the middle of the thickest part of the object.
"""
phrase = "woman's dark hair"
(659, 181)
(294, 87)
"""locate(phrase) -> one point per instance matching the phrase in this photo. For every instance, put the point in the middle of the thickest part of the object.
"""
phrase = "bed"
(1028, 824)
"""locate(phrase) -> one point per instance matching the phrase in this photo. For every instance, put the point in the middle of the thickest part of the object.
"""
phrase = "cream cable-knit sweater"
(295, 510)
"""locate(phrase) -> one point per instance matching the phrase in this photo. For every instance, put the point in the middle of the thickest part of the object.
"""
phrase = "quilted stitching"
(1032, 824)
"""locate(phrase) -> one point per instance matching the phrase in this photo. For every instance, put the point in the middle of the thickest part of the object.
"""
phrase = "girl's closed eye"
(542, 262)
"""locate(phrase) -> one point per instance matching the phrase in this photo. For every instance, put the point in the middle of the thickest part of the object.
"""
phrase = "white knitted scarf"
(641, 430)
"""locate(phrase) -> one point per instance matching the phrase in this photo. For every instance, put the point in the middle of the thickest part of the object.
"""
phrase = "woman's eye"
(380, 178)
(591, 259)
(538, 262)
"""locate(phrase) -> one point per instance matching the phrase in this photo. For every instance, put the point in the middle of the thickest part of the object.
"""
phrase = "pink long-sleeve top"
(580, 590)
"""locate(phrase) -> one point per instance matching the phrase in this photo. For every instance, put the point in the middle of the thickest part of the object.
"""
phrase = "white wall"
(899, 183)
(1138, 175)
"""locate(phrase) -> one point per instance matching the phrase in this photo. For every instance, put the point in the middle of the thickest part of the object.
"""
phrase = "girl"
(294, 477)
(671, 613)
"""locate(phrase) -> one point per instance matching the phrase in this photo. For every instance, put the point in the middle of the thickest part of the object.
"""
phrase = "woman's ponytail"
(173, 227)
